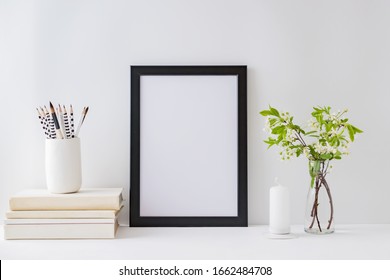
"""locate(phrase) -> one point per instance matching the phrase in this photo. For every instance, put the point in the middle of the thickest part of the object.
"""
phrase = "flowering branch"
(331, 134)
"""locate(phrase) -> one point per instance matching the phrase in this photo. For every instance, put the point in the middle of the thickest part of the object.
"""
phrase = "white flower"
(313, 124)
(306, 152)
(333, 132)
(334, 118)
(319, 148)
(324, 149)
(330, 149)
(286, 154)
(345, 147)
(285, 115)
(290, 137)
(267, 126)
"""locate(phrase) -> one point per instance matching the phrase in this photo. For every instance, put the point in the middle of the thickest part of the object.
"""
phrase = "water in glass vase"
(319, 203)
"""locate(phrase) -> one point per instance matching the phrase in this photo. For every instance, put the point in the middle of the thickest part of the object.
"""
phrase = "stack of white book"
(37, 214)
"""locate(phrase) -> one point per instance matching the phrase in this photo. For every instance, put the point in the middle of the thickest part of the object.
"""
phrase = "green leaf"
(298, 129)
(327, 110)
(357, 130)
(280, 138)
(270, 141)
(338, 155)
(279, 129)
(274, 112)
(319, 118)
(322, 141)
(351, 132)
(326, 156)
(328, 126)
(314, 167)
(265, 113)
(272, 121)
(310, 132)
(270, 145)
(316, 109)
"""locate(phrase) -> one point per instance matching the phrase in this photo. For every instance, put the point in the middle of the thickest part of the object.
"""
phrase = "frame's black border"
(242, 218)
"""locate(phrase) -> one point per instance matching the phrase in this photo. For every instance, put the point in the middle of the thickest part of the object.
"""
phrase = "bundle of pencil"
(56, 122)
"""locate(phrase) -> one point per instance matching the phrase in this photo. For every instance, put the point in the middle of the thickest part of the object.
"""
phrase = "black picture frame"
(139, 73)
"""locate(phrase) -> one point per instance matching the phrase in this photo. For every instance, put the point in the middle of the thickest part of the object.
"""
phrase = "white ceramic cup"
(63, 165)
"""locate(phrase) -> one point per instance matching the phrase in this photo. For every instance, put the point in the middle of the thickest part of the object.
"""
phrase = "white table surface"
(353, 242)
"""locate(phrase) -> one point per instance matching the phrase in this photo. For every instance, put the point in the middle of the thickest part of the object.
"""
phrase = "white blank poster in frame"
(188, 146)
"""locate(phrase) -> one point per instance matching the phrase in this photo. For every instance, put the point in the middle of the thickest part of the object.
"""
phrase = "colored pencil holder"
(63, 165)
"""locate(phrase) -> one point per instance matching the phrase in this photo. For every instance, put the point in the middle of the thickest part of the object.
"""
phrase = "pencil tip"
(51, 108)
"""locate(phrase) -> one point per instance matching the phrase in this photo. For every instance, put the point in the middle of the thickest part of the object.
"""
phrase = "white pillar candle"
(279, 210)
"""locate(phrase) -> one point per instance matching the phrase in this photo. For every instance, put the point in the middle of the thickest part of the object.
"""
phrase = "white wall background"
(299, 54)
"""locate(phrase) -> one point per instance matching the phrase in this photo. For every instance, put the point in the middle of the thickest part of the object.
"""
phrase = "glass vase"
(319, 203)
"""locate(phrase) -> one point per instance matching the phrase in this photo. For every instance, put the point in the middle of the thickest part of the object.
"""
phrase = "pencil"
(56, 123)
(50, 124)
(82, 118)
(71, 121)
(41, 117)
(63, 130)
(46, 120)
(66, 122)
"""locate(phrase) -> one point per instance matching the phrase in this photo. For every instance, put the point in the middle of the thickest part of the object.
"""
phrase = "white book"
(85, 199)
(60, 231)
(57, 221)
(62, 214)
